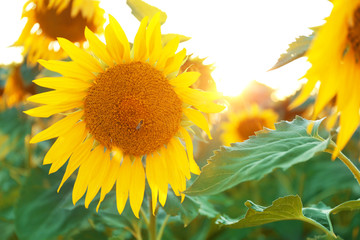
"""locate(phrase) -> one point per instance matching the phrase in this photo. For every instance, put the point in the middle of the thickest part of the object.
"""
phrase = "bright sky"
(242, 38)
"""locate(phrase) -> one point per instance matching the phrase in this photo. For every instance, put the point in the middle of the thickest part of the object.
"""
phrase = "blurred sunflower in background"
(196, 64)
(15, 91)
(334, 55)
(49, 19)
(123, 106)
(243, 124)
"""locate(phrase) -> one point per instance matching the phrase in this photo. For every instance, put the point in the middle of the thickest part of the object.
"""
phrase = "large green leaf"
(346, 206)
(188, 209)
(296, 50)
(290, 208)
(43, 214)
(140, 9)
(289, 144)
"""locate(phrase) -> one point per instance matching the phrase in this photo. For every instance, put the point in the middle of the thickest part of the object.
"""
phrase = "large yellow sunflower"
(241, 125)
(49, 19)
(334, 55)
(125, 110)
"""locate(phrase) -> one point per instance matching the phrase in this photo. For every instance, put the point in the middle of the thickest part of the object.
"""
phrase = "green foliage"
(141, 9)
(289, 144)
(15, 129)
(296, 50)
(188, 210)
(290, 208)
(41, 213)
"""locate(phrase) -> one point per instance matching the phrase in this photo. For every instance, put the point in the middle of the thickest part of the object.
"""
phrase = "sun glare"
(241, 45)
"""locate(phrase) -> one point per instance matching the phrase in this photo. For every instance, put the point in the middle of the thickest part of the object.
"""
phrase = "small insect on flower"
(140, 124)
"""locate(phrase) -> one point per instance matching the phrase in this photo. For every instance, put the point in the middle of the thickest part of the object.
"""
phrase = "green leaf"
(140, 9)
(15, 127)
(296, 50)
(290, 208)
(188, 209)
(90, 234)
(347, 206)
(289, 144)
(285, 208)
(41, 213)
(165, 38)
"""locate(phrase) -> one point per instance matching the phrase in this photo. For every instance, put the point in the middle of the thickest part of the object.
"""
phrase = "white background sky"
(242, 38)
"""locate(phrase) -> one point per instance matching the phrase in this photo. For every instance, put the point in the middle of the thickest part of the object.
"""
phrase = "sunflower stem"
(146, 220)
(349, 164)
(152, 224)
(162, 228)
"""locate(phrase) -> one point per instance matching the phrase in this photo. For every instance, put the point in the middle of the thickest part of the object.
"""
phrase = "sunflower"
(242, 125)
(334, 55)
(196, 64)
(15, 90)
(49, 19)
(127, 113)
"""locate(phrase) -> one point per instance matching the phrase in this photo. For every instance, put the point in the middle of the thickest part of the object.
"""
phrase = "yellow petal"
(101, 169)
(349, 120)
(140, 50)
(68, 69)
(64, 146)
(173, 171)
(199, 99)
(185, 79)
(151, 178)
(120, 34)
(110, 180)
(153, 37)
(180, 156)
(113, 45)
(161, 177)
(48, 110)
(137, 186)
(167, 52)
(198, 119)
(57, 97)
(85, 173)
(80, 56)
(194, 168)
(123, 183)
(98, 47)
(58, 128)
(63, 83)
(174, 63)
(305, 93)
(79, 155)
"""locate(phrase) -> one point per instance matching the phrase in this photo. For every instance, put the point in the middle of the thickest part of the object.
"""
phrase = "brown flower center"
(354, 33)
(63, 25)
(133, 107)
(249, 126)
